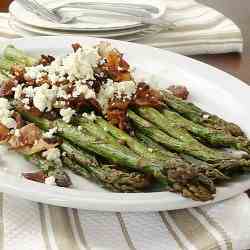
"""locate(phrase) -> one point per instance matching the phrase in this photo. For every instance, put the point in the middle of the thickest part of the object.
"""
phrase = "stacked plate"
(88, 22)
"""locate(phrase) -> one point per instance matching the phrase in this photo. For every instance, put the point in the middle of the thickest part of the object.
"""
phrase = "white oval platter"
(210, 88)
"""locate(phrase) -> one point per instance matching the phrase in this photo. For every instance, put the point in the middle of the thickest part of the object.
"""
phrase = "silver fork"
(55, 16)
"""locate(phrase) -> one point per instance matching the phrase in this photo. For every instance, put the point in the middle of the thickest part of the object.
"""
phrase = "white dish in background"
(212, 89)
(105, 34)
(88, 23)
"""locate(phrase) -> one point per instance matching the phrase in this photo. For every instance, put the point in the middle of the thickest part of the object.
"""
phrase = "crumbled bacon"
(29, 134)
(19, 120)
(7, 86)
(18, 72)
(4, 133)
(30, 140)
(76, 46)
(147, 97)
(179, 91)
(51, 115)
(46, 60)
(144, 97)
(39, 176)
(119, 118)
(80, 103)
(116, 67)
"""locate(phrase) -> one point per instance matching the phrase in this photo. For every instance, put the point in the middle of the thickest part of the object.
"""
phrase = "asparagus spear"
(212, 136)
(111, 178)
(170, 119)
(50, 169)
(197, 115)
(17, 56)
(173, 144)
(153, 144)
(131, 142)
(176, 176)
(220, 160)
(147, 151)
(173, 128)
(207, 169)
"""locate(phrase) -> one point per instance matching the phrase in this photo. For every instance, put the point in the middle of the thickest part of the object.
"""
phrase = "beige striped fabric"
(196, 29)
(26, 225)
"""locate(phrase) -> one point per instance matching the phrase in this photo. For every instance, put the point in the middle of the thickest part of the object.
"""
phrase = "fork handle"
(145, 7)
(126, 11)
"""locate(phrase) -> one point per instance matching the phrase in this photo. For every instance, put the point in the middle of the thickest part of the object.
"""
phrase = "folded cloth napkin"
(196, 29)
(28, 225)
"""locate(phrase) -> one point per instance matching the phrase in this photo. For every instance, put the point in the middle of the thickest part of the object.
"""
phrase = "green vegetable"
(197, 115)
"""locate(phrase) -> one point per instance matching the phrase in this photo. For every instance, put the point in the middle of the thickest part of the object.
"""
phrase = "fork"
(33, 6)
(144, 7)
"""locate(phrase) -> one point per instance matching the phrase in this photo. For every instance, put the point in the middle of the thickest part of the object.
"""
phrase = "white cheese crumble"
(83, 89)
(17, 133)
(125, 89)
(50, 133)
(34, 71)
(79, 65)
(44, 97)
(29, 91)
(205, 116)
(67, 114)
(104, 48)
(52, 154)
(18, 91)
(51, 180)
(90, 116)
(5, 114)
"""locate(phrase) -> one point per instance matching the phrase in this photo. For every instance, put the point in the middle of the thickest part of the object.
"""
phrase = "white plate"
(87, 23)
(105, 34)
(210, 88)
(21, 31)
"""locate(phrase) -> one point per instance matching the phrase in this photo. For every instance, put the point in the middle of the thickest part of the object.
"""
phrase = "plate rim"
(13, 5)
(107, 201)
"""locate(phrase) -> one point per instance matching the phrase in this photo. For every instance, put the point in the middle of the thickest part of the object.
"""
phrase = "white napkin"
(197, 29)
(28, 225)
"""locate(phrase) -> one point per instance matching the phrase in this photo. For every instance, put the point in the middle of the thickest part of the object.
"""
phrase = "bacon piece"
(39, 176)
(147, 97)
(4, 133)
(18, 72)
(76, 46)
(116, 67)
(6, 87)
(179, 91)
(118, 104)
(95, 105)
(30, 140)
(34, 111)
(19, 120)
(29, 134)
(80, 103)
(46, 60)
(119, 118)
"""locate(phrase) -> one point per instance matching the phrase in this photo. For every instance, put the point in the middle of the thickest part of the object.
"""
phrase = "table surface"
(233, 63)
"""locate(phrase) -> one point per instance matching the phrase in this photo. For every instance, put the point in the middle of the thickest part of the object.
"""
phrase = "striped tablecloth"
(28, 225)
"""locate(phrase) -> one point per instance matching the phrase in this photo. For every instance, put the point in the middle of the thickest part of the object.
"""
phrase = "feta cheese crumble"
(67, 114)
(51, 180)
(50, 133)
(18, 91)
(44, 97)
(90, 116)
(52, 154)
(125, 89)
(5, 114)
